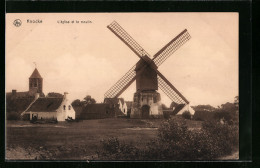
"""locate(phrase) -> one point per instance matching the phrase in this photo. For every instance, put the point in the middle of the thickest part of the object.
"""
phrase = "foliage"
(186, 115)
(166, 114)
(76, 102)
(204, 115)
(225, 136)
(203, 108)
(89, 100)
(54, 94)
(164, 107)
(12, 116)
(176, 142)
(230, 107)
(113, 149)
(173, 104)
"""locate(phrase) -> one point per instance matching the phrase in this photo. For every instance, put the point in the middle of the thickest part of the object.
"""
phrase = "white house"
(185, 108)
(122, 105)
(47, 108)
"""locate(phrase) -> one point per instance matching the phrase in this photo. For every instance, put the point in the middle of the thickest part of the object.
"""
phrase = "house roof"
(18, 104)
(111, 100)
(47, 104)
(35, 74)
(18, 94)
(95, 108)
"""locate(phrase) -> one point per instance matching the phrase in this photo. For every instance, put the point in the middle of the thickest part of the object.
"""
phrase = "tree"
(76, 102)
(89, 100)
(164, 107)
(230, 107)
(173, 104)
(204, 108)
(53, 94)
(236, 101)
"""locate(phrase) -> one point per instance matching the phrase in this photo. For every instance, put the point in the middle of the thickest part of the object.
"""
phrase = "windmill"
(147, 101)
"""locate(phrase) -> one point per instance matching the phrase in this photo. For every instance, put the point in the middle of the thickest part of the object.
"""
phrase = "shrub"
(229, 117)
(112, 149)
(186, 115)
(226, 136)
(166, 114)
(176, 142)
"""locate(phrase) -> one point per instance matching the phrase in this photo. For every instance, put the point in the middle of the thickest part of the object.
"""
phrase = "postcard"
(154, 86)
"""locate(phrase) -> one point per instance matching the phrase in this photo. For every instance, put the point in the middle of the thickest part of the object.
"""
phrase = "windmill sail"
(171, 47)
(170, 90)
(121, 85)
(127, 39)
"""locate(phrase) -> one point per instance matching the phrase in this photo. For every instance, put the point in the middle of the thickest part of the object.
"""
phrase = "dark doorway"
(145, 111)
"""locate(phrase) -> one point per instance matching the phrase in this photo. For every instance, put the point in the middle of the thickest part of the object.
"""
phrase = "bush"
(166, 114)
(13, 116)
(112, 149)
(226, 136)
(228, 117)
(176, 142)
(186, 115)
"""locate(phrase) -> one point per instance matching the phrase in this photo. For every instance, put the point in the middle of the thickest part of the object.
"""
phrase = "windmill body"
(147, 101)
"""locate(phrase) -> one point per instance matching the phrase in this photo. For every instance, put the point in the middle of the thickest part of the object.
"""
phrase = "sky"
(87, 58)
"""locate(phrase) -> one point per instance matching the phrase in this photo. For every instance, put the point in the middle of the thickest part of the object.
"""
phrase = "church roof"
(47, 104)
(35, 74)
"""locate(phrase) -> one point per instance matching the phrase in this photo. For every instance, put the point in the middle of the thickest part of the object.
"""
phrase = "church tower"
(35, 82)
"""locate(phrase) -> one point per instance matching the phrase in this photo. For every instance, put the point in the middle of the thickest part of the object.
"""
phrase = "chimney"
(13, 92)
(66, 95)
(36, 96)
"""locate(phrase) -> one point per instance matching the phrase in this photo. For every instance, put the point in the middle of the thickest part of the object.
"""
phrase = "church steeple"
(35, 82)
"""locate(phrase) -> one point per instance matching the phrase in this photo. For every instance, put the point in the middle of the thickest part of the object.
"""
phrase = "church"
(33, 105)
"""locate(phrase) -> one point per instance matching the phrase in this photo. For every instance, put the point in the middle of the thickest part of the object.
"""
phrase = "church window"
(64, 107)
(69, 107)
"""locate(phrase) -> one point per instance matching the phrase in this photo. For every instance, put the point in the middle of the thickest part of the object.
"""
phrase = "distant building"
(117, 103)
(100, 111)
(181, 108)
(48, 108)
(129, 107)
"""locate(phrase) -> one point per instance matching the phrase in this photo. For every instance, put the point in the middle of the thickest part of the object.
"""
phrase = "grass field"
(76, 141)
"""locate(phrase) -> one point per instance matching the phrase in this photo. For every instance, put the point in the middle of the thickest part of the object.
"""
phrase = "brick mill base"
(147, 104)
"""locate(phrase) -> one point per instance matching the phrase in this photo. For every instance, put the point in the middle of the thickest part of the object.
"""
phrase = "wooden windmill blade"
(122, 84)
(127, 39)
(171, 47)
(170, 90)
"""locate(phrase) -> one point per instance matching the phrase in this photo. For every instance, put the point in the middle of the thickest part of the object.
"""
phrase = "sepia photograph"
(139, 86)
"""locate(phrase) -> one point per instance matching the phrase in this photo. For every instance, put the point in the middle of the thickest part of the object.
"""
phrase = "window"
(69, 107)
(64, 107)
